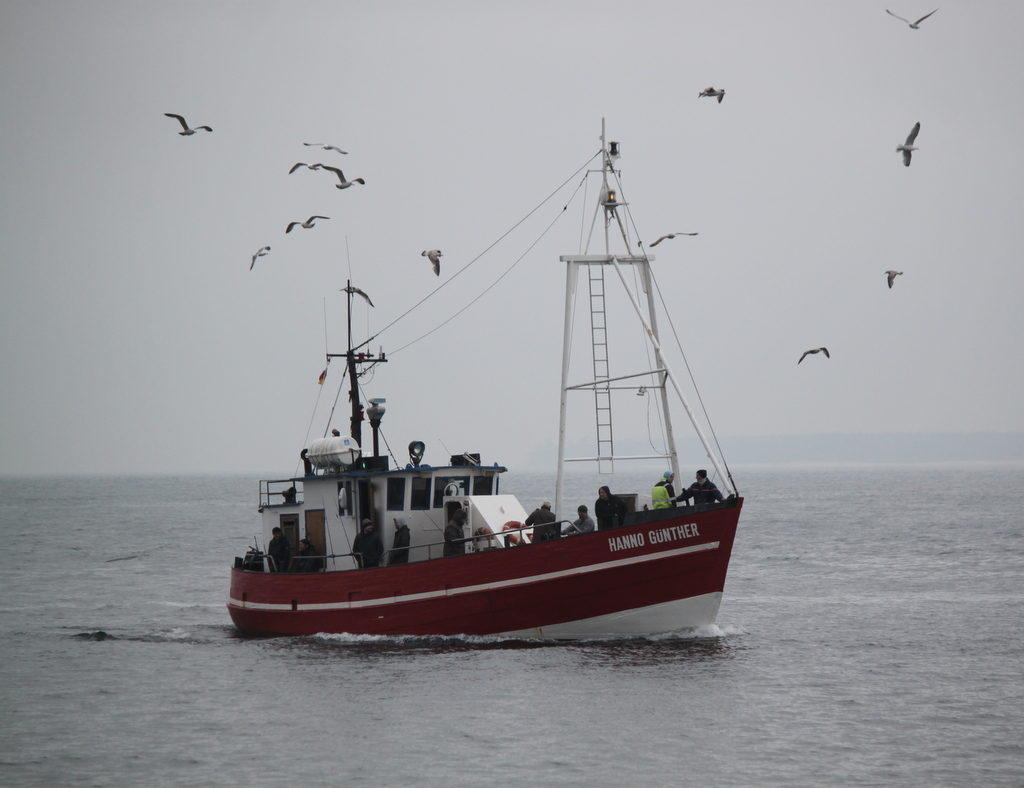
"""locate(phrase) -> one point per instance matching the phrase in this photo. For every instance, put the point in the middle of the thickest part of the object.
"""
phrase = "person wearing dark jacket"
(703, 490)
(279, 549)
(541, 515)
(367, 546)
(308, 560)
(610, 510)
(400, 547)
(453, 533)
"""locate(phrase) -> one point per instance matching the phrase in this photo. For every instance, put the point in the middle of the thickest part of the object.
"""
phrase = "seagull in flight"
(434, 255)
(325, 147)
(908, 146)
(711, 92)
(307, 224)
(187, 132)
(815, 350)
(341, 177)
(357, 291)
(260, 253)
(303, 164)
(670, 235)
(913, 25)
(892, 275)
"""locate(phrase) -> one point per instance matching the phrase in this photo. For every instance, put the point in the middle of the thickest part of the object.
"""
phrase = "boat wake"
(708, 632)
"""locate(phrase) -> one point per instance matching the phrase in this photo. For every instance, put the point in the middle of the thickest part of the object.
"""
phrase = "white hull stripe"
(519, 581)
(694, 611)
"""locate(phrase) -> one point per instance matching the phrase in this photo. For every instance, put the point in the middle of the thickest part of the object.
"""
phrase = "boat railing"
(280, 492)
(512, 537)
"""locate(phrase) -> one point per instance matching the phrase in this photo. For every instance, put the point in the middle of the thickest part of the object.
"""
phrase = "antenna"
(327, 346)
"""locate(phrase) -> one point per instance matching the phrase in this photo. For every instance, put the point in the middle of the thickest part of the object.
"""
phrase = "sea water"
(871, 633)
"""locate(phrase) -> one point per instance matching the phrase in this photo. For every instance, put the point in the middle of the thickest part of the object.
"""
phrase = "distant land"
(910, 447)
(881, 448)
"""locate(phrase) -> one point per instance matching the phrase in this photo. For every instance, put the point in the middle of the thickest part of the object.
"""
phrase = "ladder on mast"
(602, 391)
(658, 379)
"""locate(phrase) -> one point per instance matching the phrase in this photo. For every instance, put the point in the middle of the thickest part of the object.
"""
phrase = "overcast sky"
(134, 337)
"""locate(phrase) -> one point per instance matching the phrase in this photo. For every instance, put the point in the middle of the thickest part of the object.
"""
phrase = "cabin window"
(482, 485)
(396, 494)
(420, 498)
(444, 482)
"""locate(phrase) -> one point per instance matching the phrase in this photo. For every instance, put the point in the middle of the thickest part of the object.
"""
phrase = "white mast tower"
(602, 384)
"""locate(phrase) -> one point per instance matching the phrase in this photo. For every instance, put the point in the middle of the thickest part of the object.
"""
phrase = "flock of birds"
(433, 255)
(906, 149)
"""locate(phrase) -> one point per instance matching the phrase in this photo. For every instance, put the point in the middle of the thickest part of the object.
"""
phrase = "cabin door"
(290, 527)
(315, 530)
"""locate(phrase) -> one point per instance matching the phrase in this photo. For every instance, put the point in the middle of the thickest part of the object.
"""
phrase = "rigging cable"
(696, 390)
(337, 396)
(421, 301)
(475, 259)
(679, 345)
(493, 284)
(316, 404)
(388, 447)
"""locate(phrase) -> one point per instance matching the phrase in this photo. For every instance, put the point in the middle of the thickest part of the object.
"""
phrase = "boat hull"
(662, 572)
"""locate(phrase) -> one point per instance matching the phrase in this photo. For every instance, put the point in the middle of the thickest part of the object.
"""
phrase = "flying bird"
(434, 255)
(892, 275)
(307, 224)
(670, 235)
(187, 132)
(325, 147)
(357, 291)
(260, 253)
(341, 177)
(908, 146)
(303, 164)
(815, 350)
(913, 25)
(712, 93)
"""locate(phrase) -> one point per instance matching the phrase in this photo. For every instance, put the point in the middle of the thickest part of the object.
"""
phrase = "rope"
(309, 427)
(475, 259)
(494, 283)
(675, 335)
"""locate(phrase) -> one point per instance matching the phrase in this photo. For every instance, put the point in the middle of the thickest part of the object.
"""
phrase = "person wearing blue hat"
(663, 495)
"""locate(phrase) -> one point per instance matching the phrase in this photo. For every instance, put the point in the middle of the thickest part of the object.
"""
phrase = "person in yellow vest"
(663, 496)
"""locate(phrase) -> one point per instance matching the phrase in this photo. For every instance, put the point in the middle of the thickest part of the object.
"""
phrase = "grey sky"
(133, 336)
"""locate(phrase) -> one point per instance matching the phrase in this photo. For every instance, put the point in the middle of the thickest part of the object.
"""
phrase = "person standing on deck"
(541, 515)
(280, 550)
(400, 547)
(308, 560)
(609, 510)
(663, 495)
(453, 532)
(703, 490)
(367, 546)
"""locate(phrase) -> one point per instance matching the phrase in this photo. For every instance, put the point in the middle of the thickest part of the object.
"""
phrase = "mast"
(356, 419)
(353, 359)
(610, 203)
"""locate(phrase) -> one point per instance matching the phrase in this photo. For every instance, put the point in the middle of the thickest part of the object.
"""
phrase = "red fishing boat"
(657, 570)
